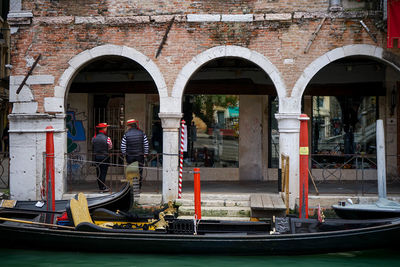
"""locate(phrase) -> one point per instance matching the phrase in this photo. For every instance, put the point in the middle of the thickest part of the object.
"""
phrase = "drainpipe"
(335, 5)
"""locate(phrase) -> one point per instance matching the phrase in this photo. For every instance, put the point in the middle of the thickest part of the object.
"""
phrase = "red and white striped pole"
(181, 159)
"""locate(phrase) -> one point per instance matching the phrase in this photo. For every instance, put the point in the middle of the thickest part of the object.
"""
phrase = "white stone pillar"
(27, 147)
(289, 129)
(380, 155)
(170, 123)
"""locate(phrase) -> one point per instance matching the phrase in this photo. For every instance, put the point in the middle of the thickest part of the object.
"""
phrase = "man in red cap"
(134, 145)
(101, 145)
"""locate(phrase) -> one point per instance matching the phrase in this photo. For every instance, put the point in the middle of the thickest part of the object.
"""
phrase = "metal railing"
(333, 165)
(4, 170)
(81, 169)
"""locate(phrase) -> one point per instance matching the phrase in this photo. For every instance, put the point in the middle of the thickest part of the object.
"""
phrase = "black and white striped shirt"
(145, 144)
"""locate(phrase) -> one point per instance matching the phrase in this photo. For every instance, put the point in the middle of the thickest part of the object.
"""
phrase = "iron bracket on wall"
(165, 37)
(313, 36)
(28, 74)
(368, 31)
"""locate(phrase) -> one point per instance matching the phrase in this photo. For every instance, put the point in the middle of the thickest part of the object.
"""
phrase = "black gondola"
(383, 208)
(121, 200)
(284, 236)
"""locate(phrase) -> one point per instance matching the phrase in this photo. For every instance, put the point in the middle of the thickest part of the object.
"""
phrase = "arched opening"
(344, 99)
(109, 89)
(226, 107)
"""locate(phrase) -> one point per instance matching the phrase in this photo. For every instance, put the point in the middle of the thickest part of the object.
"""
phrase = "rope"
(114, 164)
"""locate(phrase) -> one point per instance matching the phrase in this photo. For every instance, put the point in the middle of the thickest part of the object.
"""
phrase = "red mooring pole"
(303, 203)
(50, 200)
(197, 198)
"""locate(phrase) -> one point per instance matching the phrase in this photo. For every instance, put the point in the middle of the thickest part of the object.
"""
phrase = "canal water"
(375, 258)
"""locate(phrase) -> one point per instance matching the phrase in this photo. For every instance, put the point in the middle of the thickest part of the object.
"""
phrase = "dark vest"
(134, 142)
(100, 146)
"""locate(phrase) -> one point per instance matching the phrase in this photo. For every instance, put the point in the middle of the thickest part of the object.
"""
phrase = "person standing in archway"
(101, 145)
(135, 146)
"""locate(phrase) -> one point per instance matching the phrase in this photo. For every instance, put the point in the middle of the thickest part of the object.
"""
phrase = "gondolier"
(101, 145)
(134, 145)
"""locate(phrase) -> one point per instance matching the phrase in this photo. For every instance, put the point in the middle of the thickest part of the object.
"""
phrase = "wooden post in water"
(197, 197)
(380, 155)
(303, 201)
(50, 188)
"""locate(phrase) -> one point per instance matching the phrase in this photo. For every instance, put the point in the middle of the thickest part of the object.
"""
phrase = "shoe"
(105, 190)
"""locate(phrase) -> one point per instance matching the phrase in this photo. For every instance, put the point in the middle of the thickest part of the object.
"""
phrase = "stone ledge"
(24, 107)
(161, 18)
(90, 20)
(343, 14)
(237, 18)
(25, 18)
(33, 79)
(203, 17)
(127, 20)
(53, 20)
(20, 14)
(283, 16)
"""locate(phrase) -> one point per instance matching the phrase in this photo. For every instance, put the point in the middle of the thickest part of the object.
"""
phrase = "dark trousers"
(101, 170)
(140, 160)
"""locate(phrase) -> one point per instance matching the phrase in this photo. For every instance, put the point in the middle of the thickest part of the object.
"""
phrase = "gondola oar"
(38, 223)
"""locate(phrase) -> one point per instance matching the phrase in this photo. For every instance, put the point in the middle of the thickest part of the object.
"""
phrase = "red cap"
(102, 125)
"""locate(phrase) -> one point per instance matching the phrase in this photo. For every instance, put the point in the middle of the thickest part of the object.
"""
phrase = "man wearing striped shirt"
(134, 145)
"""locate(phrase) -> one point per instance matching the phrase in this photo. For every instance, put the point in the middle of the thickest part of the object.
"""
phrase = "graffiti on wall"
(76, 132)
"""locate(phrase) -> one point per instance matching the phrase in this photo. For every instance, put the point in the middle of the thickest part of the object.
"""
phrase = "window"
(213, 130)
(343, 128)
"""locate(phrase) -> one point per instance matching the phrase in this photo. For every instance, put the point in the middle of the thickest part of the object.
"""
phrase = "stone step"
(188, 217)
(208, 199)
(219, 196)
(215, 203)
(216, 211)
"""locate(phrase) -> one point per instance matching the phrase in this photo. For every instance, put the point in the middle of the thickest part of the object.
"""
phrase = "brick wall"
(62, 29)
(152, 7)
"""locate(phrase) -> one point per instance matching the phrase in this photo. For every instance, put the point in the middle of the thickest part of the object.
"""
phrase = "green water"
(376, 258)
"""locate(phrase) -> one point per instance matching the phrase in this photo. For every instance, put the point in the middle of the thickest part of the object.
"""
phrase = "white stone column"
(27, 147)
(170, 123)
(289, 129)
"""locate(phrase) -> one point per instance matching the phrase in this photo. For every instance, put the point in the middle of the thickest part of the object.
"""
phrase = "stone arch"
(335, 54)
(218, 52)
(56, 103)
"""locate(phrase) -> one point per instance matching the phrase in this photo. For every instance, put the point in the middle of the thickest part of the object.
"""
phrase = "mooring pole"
(380, 154)
(181, 148)
(303, 151)
(197, 197)
(50, 188)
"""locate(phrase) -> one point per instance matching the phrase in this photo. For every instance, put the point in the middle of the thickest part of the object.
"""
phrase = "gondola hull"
(121, 200)
(371, 237)
(366, 212)
(383, 208)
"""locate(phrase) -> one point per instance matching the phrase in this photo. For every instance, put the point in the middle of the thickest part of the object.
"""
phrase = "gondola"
(383, 208)
(280, 236)
(120, 200)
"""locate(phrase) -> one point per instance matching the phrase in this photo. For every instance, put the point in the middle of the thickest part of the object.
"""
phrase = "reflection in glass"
(213, 130)
(343, 127)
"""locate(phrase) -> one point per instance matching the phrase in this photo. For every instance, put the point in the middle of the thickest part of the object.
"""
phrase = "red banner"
(393, 21)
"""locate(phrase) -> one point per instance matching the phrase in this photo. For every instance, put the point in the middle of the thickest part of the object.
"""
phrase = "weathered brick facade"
(279, 30)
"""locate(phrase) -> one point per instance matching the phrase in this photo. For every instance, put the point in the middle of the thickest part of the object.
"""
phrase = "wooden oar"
(38, 223)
